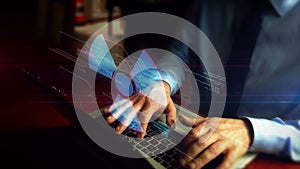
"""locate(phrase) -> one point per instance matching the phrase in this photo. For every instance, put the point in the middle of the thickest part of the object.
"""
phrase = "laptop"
(56, 73)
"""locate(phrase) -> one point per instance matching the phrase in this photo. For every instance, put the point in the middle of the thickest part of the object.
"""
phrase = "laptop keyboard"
(155, 147)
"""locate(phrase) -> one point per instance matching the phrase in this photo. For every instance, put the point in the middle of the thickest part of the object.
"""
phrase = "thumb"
(190, 122)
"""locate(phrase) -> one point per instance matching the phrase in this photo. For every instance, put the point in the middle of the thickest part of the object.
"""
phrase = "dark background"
(35, 131)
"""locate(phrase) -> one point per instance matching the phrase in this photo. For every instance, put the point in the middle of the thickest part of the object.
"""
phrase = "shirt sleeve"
(172, 71)
(277, 137)
(171, 80)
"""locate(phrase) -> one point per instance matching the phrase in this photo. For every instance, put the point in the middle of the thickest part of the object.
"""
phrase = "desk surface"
(29, 109)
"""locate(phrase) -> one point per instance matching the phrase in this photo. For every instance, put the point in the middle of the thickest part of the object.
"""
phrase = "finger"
(190, 122)
(110, 119)
(190, 139)
(106, 110)
(194, 133)
(120, 128)
(138, 102)
(142, 133)
(230, 157)
(147, 105)
(151, 109)
(134, 111)
(186, 121)
(143, 116)
(134, 96)
(124, 109)
(196, 147)
(209, 154)
(118, 103)
(106, 113)
(117, 109)
(171, 114)
(146, 111)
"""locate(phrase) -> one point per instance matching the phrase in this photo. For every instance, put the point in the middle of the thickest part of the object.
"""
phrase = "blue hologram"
(100, 58)
(123, 84)
(143, 70)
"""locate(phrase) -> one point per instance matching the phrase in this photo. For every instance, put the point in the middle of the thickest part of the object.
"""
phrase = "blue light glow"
(100, 59)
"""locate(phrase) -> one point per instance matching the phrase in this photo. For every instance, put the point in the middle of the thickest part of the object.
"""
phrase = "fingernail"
(143, 134)
(106, 110)
(108, 119)
(192, 165)
(182, 161)
(118, 129)
(172, 124)
(139, 135)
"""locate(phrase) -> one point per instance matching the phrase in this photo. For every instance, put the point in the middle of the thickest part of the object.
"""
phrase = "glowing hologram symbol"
(147, 79)
(143, 70)
(100, 59)
(123, 84)
(211, 61)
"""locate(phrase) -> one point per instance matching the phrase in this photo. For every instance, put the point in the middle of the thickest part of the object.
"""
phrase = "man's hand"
(145, 105)
(212, 136)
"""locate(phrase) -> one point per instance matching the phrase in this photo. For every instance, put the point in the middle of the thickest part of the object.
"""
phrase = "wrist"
(250, 131)
(167, 88)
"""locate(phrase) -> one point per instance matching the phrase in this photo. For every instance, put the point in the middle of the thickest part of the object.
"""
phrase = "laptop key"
(150, 154)
(144, 143)
(161, 155)
(167, 158)
(174, 140)
(161, 147)
(175, 164)
(137, 140)
(158, 159)
(154, 142)
(151, 148)
(181, 167)
(165, 141)
(139, 146)
(170, 152)
(130, 133)
(157, 152)
(146, 151)
(176, 156)
(165, 164)
(133, 142)
(152, 133)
